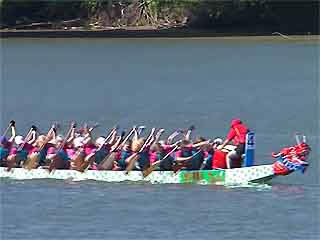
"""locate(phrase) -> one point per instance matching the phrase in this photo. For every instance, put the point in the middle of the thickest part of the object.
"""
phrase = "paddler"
(123, 155)
(184, 154)
(143, 161)
(103, 149)
(6, 144)
(237, 134)
(208, 155)
(37, 155)
(18, 154)
(157, 153)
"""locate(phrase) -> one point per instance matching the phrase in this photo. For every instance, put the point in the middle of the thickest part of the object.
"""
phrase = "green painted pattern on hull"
(202, 176)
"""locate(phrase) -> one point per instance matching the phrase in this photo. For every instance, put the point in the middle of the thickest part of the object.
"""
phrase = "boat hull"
(218, 177)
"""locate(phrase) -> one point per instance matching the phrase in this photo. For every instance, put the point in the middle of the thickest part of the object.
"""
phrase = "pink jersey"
(152, 157)
(167, 148)
(89, 148)
(188, 149)
(70, 152)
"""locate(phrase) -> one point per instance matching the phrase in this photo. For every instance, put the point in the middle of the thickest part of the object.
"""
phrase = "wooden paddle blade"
(57, 163)
(178, 166)
(87, 162)
(149, 170)
(32, 161)
(77, 161)
(132, 161)
(11, 162)
(107, 162)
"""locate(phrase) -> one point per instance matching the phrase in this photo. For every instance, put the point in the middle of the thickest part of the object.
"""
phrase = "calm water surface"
(272, 85)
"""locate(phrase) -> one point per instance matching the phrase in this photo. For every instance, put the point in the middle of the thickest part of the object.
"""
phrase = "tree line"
(232, 15)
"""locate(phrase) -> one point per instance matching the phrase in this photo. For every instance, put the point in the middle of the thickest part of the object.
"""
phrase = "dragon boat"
(289, 159)
(254, 174)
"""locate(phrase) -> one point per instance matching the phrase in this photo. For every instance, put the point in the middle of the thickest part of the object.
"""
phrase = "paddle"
(33, 160)
(12, 162)
(57, 162)
(134, 157)
(188, 133)
(150, 169)
(90, 157)
(11, 123)
(173, 135)
(158, 135)
(107, 162)
(140, 130)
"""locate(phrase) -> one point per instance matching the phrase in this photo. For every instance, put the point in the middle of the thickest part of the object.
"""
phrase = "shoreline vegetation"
(158, 18)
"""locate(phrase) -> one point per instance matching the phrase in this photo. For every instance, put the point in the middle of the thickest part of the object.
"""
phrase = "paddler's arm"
(201, 143)
(86, 140)
(172, 136)
(33, 136)
(182, 159)
(117, 143)
(188, 134)
(113, 138)
(72, 135)
(158, 135)
(13, 131)
(223, 144)
(136, 135)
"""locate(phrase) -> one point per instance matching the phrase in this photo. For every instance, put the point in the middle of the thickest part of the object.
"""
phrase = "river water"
(272, 85)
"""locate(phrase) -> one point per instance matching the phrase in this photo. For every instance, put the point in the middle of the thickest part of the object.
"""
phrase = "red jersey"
(238, 133)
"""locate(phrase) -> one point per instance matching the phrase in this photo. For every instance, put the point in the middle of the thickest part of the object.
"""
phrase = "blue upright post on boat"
(249, 149)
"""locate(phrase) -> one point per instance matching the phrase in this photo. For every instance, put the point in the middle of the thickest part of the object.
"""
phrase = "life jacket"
(207, 162)
(186, 153)
(165, 164)
(219, 159)
(143, 161)
(4, 152)
(100, 155)
(122, 157)
(197, 160)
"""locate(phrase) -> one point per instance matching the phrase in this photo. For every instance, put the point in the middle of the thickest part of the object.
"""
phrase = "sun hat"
(77, 142)
(100, 141)
(217, 141)
(18, 140)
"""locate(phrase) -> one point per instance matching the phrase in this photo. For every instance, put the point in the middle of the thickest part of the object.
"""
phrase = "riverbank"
(141, 32)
